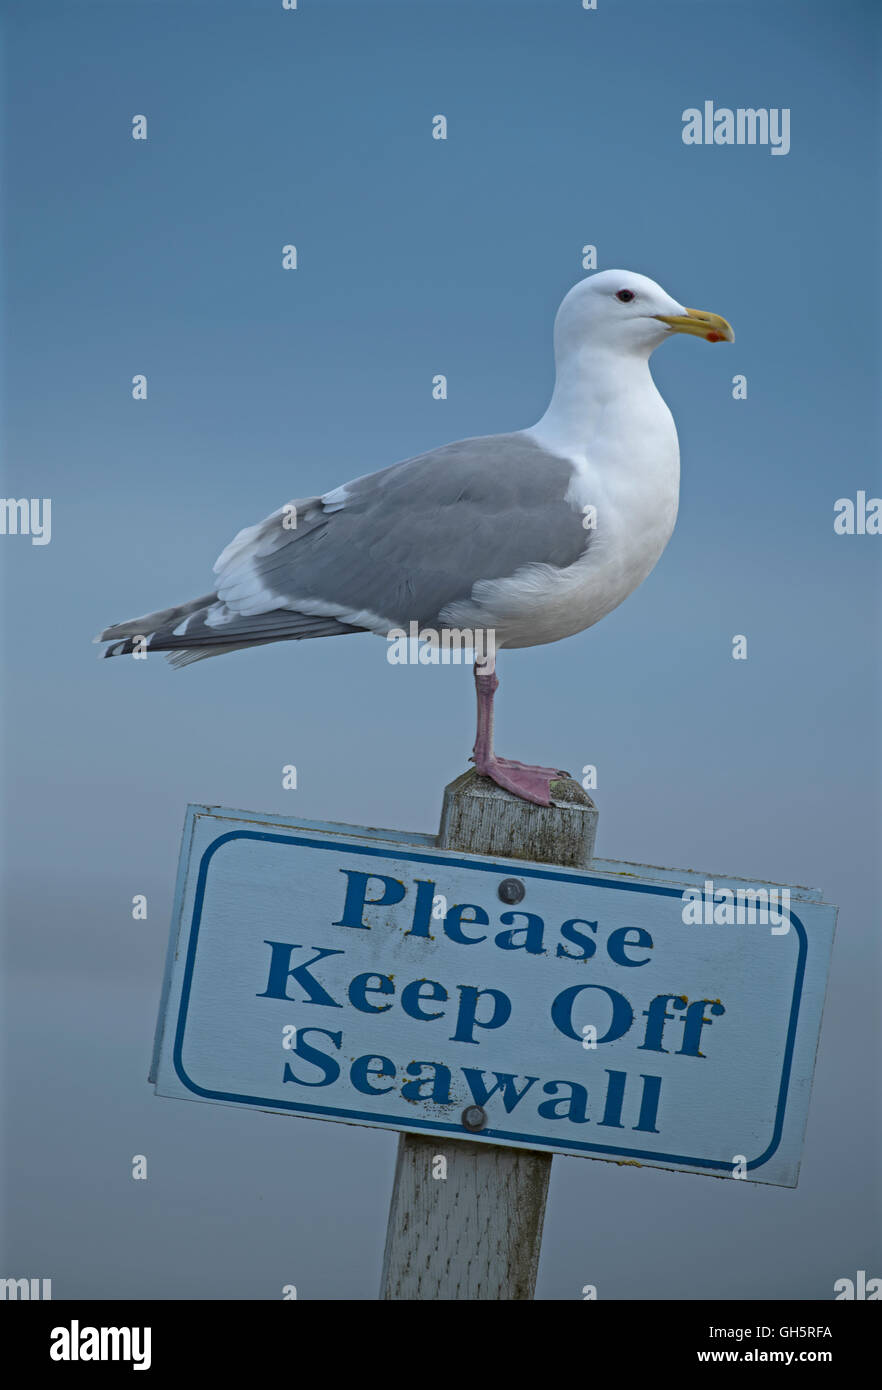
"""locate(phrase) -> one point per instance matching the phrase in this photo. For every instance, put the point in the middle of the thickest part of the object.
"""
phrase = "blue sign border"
(530, 1140)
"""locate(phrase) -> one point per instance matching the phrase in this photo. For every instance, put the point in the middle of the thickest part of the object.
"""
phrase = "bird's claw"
(525, 780)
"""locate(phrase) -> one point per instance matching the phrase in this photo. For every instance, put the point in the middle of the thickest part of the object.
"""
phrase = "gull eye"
(625, 296)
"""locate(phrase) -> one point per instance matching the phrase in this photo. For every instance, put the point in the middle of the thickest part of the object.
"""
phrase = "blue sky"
(416, 257)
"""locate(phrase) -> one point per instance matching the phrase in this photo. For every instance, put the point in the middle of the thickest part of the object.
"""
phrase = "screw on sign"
(474, 1117)
(511, 890)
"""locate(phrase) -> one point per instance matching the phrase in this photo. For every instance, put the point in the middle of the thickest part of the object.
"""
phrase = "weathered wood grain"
(476, 1234)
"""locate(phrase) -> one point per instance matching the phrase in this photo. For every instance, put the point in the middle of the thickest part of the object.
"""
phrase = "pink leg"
(531, 783)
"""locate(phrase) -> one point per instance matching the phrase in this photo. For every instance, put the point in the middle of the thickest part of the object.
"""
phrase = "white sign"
(623, 1012)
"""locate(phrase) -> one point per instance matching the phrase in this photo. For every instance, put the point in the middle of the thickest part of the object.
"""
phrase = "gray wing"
(404, 543)
(390, 548)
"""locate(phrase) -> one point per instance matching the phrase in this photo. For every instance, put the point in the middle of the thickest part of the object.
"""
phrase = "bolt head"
(474, 1117)
(511, 890)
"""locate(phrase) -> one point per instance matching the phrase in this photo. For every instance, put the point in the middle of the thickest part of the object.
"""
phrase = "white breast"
(629, 471)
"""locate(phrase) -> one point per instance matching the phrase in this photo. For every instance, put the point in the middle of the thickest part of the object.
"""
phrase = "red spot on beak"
(714, 338)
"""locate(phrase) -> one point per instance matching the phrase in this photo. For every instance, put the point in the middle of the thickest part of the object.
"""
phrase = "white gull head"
(606, 328)
(627, 315)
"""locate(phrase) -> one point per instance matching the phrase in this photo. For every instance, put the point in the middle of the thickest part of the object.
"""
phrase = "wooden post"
(477, 1234)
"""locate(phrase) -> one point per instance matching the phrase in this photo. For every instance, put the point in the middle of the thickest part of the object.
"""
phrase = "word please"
(528, 928)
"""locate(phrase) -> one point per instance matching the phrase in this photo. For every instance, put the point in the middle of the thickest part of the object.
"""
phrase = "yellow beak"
(702, 324)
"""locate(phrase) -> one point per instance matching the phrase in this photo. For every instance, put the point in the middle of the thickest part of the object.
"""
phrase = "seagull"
(529, 537)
